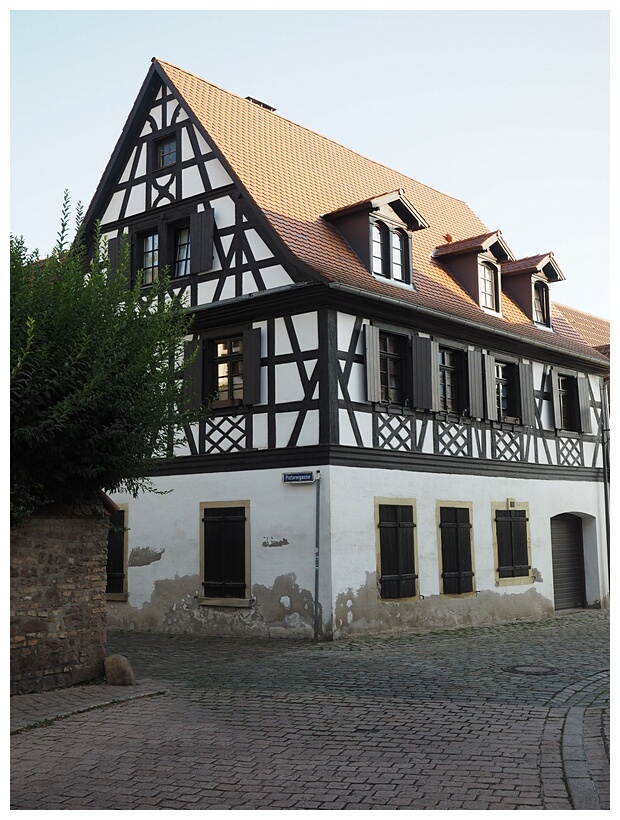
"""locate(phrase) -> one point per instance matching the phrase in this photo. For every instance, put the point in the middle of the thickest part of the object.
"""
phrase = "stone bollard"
(118, 671)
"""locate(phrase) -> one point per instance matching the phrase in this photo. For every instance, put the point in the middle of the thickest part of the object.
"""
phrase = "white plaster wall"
(354, 539)
(278, 513)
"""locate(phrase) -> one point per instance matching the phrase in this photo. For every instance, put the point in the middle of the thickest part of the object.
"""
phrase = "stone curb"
(30, 711)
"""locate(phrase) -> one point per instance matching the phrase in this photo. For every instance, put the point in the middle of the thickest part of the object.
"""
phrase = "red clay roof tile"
(294, 175)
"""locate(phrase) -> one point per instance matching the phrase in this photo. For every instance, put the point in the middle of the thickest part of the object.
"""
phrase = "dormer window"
(527, 282)
(541, 304)
(379, 232)
(489, 286)
(390, 252)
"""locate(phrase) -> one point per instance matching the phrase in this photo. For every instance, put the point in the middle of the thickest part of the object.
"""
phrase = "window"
(226, 367)
(399, 249)
(512, 542)
(149, 257)
(184, 242)
(391, 368)
(229, 368)
(396, 551)
(541, 304)
(450, 385)
(489, 286)
(509, 391)
(166, 152)
(456, 552)
(390, 253)
(566, 401)
(571, 402)
(225, 555)
(504, 389)
(181, 251)
(380, 256)
(116, 566)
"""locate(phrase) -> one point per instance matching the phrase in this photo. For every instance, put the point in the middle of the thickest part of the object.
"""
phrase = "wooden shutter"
(224, 552)
(113, 254)
(527, 411)
(397, 554)
(583, 395)
(490, 392)
(425, 355)
(511, 533)
(475, 399)
(201, 239)
(115, 568)
(251, 365)
(555, 393)
(457, 572)
(193, 375)
(373, 377)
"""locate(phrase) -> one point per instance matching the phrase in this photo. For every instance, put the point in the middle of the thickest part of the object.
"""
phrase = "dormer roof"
(543, 264)
(492, 241)
(394, 200)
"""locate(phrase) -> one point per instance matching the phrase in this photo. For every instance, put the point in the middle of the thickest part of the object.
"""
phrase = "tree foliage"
(96, 375)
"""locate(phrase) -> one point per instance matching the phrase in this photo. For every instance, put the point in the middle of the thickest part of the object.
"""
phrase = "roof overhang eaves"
(598, 361)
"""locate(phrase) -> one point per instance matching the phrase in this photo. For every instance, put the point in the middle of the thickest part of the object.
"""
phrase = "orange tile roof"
(294, 175)
(593, 330)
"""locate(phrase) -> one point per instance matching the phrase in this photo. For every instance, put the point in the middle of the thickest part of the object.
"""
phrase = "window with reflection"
(229, 368)
(450, 380)
(488, 286)
(181, 251)
(391, 367)
(150, 257)
(541, 304)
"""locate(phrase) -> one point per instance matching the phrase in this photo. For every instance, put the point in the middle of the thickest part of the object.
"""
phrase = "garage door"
(567, 553)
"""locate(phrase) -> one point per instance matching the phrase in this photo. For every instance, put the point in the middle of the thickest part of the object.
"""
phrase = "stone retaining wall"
(58, 604)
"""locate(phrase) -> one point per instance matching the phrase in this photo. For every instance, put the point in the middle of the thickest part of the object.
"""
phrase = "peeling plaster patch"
(174, 609)
(273, 542)
(536, 576)
(363, 611)
(143, 556)
(296, 619)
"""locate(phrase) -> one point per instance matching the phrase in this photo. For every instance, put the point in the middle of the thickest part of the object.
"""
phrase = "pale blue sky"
(506, 110)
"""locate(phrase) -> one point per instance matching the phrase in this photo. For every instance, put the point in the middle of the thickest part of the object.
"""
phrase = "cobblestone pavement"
(512, 716)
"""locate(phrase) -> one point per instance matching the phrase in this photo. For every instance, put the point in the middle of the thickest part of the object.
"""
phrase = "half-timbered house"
(405, 433)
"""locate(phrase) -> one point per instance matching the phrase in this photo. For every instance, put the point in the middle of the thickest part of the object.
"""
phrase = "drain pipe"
(605, 447)
(317, 482)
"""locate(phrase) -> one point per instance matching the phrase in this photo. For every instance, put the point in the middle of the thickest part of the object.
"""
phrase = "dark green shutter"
(527, 411)
(224, 552)
(251, 365)
(425, 358)
(373, 378)
(490, 390)
(583, 395)
(457, 572)
(397, 551)
(113, 254)
(511, 534)
(475, 399)
(555, 392)
(115, 567)
(201, 241)
(193, 375)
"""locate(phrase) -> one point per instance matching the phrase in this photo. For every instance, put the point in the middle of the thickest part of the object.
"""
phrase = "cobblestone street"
(511, 716)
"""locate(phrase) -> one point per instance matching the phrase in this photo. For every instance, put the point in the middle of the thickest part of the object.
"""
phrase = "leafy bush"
(96, 375)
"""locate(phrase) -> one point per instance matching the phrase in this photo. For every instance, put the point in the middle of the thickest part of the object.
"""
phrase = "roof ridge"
(578, 310)
(310, 131)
